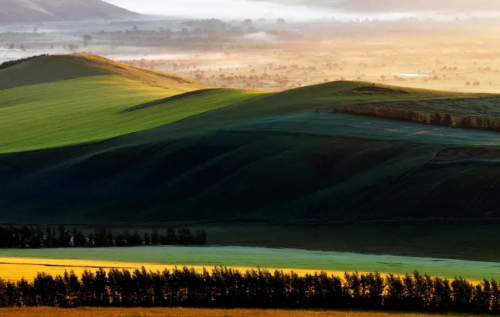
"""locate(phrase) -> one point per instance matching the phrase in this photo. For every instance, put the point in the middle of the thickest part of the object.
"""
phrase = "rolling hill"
(60, 10)
(52, 68)
(100, 142)
(73, 99)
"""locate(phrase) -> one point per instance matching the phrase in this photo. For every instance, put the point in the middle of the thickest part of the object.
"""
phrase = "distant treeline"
(227, 288)
(436, 118)
(34, 238)
(8, 64)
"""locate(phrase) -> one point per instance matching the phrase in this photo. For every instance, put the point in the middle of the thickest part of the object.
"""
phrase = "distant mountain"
(60, 10)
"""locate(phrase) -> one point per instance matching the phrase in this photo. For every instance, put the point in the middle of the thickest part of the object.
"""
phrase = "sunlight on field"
(14, 269)
(97, 116)
(15, 264)
(185, 312)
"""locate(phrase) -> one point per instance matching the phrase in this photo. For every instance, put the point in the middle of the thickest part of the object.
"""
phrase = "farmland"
(362, 146)
(187, 312)
(488, 106)
(16, 264)
(291, 55)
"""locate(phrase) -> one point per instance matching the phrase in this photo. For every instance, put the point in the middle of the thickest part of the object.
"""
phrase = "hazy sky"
(221, 8)
(304, 9)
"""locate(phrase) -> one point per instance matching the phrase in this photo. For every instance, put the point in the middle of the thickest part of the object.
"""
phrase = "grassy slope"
(65, 113)
(89, 109)
(364, 127)
(63, 67)
(322, 97)
(60, 100)
(330, 95)
(224, 177)
(195, 169)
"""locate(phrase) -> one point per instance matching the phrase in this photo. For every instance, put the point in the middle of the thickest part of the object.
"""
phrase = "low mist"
(301, 10)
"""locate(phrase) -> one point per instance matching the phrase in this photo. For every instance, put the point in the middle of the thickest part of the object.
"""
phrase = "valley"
(335, 146)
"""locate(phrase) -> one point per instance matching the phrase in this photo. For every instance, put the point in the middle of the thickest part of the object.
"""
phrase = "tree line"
(34, 238)
(228, 288)
(8, 64)
(436, 117)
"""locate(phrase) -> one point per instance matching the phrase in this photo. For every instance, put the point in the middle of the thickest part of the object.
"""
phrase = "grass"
(191, 312)
(155, 177)
(65, 113)
(241, 258)
(331, 95)
(225, 156)
(463, 240)
(55, 68)
(315, 98)
(351, 126)
(67, 100)
(61, 113)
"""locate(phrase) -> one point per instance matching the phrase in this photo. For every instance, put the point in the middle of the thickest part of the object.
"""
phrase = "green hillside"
(114, 147)
(46, 69)
(65, 113)
(91, 106)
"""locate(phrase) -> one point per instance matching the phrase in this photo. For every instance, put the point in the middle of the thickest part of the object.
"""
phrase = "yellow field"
(181, 312)
(14, 269)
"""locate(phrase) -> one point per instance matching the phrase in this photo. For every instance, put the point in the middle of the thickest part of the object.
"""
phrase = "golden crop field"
(14, 269)
(184, 312)
(16, 264)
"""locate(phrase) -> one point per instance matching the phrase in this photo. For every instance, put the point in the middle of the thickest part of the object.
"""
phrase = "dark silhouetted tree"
(155, 238)
(79, 239)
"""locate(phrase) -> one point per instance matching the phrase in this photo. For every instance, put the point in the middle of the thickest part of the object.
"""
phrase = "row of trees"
(8, 64)
(437, 118)
(34, 238)
(225, 288)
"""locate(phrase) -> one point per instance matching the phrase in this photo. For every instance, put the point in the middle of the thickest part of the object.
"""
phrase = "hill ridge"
(12, 11)
(52, 68)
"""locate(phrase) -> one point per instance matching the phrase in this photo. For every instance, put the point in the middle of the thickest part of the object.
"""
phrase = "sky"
(307, 9)
(227, 9)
